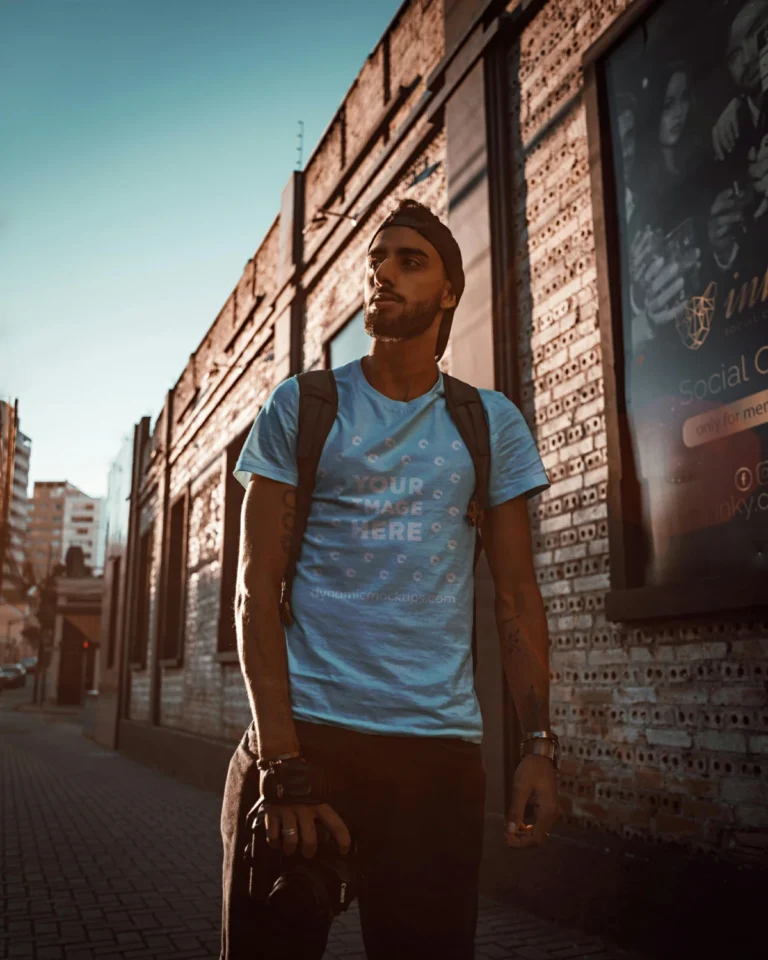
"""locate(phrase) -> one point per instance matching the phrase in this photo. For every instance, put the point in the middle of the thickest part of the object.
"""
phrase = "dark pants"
(415, 807)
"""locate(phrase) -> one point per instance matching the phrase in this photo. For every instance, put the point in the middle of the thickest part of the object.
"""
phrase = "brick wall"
(665, 728)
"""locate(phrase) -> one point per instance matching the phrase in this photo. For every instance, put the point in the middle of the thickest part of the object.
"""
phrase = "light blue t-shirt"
(383, 595)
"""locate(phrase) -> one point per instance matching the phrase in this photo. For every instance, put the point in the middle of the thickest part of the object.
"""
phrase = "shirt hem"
(245, 469)
(388, 732)
(531, 487)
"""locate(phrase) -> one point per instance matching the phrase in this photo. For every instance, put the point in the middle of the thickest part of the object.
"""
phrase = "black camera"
(300, 896)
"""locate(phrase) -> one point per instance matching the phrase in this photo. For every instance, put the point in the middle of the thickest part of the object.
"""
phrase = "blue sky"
(145, 146)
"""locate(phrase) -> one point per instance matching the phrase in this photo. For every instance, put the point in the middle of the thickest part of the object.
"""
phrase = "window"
(350, 343)
(141, 625)
(81, 531)
(89, 506)
(174, 595)
(114, 597)
(234, 494)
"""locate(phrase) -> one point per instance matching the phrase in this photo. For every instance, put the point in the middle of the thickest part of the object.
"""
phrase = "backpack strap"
(318, 405)
(468, 413)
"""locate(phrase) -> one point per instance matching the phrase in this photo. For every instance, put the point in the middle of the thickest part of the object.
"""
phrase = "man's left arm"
(524, 639)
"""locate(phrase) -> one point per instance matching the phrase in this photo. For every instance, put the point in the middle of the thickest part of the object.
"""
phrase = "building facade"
(15, 451)
(83, 528)
(503, 119)
(62, 516)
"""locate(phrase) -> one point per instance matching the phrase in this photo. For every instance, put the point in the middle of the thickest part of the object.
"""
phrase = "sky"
(145, 147)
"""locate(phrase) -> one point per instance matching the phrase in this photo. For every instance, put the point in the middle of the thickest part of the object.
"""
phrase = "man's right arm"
(269, 511)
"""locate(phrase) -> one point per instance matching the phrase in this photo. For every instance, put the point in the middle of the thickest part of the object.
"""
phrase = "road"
(103, 858)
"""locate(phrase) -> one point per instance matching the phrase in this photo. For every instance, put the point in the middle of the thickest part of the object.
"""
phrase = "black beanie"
(416, 216)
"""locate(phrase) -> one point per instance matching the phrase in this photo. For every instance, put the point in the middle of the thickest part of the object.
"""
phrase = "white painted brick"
(558, 588)
(598, 581)
(565, 554)
(668, 738)
(722, 741)
(579, 449)
(568, 485)
(598, 511)
(758, 743)
(561, 390)
(589, 410)
(687, 652)
(554, 426)
(598, 547)
(598, 475)
(558, 359)
(553, 524)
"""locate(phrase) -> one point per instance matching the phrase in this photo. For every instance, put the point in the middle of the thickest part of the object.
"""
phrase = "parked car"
(29, 664)
(12, 675)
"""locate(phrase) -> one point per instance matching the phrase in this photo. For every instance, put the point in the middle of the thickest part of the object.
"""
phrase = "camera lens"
(297, 894)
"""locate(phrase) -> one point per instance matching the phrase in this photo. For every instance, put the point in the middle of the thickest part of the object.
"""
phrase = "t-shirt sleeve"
(270, 450)
(516, 466)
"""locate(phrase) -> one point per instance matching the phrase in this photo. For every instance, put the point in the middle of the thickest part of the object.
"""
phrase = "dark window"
(81, 531)
(114, 599)
(174, 595)
(350, 343)
(234, 494)
(141, 628)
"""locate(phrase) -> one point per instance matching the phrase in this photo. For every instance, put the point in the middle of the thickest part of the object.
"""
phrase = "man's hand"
(665, 282)
(301, 817)
(726, 217)
(725, 132)
(534, 783)
(758, 166)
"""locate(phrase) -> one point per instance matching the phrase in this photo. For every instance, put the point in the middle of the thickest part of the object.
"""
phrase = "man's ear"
(449, 300)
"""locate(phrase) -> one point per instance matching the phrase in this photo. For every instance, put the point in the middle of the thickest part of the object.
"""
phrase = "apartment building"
(15, 452)
(63, 516)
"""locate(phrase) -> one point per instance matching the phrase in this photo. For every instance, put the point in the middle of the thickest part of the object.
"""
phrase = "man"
(740, 142)
(372, 681)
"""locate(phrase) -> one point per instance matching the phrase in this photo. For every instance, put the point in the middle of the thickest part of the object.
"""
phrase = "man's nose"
(384, 275)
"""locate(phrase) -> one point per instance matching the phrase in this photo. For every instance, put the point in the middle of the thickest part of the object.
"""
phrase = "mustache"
(388, 294)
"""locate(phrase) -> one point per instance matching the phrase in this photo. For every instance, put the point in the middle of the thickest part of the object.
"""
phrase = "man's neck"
(399, 371)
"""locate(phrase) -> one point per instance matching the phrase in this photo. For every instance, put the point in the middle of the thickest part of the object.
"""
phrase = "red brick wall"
(665, 728)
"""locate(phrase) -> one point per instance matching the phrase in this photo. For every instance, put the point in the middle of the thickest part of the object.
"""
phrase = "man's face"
(743, 54)
(405, 286)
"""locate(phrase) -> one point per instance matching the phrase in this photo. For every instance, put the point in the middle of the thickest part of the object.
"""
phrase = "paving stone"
(99, 865)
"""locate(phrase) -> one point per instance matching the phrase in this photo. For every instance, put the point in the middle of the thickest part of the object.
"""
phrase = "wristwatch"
(544, 743)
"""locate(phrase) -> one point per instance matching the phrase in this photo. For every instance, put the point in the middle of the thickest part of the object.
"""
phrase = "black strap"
(318, 404)
(466, 408)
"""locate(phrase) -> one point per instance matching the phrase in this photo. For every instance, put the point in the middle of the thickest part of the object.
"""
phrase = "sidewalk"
(104, 858)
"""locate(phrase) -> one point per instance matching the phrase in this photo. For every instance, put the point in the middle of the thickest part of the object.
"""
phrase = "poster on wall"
(687, 95)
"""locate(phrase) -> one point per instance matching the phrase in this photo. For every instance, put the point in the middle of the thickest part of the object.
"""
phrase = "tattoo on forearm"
(511, 637)
(287, 520)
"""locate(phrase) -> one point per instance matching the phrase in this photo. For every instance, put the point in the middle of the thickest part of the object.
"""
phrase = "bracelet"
(265, 764)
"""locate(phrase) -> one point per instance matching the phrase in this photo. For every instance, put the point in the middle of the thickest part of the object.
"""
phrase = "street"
(104, 858)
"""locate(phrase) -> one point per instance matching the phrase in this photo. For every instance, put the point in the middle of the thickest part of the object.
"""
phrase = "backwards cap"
(416, 216)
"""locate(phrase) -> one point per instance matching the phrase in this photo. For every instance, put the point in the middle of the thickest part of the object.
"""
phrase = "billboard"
(688, 126)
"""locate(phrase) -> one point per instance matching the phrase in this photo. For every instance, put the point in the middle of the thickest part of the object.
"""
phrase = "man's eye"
(414, 263)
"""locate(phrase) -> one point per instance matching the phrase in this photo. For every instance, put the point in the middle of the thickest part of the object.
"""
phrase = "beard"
(409, 321)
